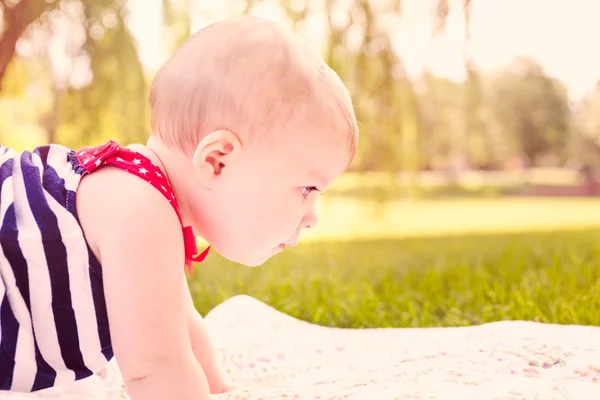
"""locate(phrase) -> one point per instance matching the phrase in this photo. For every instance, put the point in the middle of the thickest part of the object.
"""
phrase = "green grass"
(449, 260)
(420, 282)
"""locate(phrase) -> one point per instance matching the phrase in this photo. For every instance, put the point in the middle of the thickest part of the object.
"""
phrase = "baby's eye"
(306, 190)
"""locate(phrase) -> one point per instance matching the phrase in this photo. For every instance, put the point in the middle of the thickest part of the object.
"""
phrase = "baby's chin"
(255, 259)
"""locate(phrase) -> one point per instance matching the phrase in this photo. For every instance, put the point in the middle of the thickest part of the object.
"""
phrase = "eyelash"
(306, 190)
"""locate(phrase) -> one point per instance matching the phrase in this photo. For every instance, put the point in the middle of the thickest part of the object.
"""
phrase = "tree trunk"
(16, 19)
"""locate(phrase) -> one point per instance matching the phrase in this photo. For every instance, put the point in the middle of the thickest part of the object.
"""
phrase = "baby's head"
(259, 125)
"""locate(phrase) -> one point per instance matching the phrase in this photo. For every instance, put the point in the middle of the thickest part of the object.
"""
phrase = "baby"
(249, 126)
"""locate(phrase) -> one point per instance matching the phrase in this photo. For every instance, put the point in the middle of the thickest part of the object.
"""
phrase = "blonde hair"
(246, 75)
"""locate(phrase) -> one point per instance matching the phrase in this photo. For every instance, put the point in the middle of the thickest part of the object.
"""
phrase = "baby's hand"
(218, 380)
(221, 387)
(224, 389)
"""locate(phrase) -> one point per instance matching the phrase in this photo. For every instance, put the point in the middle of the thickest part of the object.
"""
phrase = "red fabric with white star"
(111, 153)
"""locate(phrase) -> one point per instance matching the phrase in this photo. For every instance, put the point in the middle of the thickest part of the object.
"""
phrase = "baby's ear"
(214, 153)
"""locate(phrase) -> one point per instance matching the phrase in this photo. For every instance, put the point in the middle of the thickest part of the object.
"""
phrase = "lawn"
(429, 281)
(440, 261)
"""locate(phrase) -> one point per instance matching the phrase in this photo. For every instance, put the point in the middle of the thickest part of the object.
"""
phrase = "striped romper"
(54, 325)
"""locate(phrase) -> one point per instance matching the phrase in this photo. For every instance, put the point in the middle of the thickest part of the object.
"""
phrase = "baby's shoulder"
(112, 199)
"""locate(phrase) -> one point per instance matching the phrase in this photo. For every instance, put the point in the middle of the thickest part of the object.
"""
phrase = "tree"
(471, 138)
(532, 110)
(177, 20)
(16, 17)
(586, 130)
(108, 98)
(114, 104)
(442, 106)
(588, 115)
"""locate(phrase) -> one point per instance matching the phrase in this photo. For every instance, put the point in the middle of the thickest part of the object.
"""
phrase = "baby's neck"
(175, 166)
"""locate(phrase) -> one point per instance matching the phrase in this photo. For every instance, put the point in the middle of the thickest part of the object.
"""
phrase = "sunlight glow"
(555, 32)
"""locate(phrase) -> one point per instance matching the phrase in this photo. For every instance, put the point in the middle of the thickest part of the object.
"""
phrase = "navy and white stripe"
(53, 320)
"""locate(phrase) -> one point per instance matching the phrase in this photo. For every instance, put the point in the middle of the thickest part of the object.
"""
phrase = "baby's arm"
(218, 380)
(138, 239)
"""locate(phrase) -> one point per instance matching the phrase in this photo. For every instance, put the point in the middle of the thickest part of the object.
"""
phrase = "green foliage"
(407, 123)
(589, 116)
(586, 130)
(442, 111)
(455, 281)
(114, 104)
(17, 78)
(177, 19)
(532, 109)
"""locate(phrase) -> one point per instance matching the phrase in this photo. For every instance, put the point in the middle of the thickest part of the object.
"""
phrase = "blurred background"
(474, 195)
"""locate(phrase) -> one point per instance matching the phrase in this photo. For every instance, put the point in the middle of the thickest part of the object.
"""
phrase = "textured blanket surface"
(274, 356)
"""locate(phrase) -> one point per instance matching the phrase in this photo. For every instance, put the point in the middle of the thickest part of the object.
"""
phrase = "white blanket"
(274, 356)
